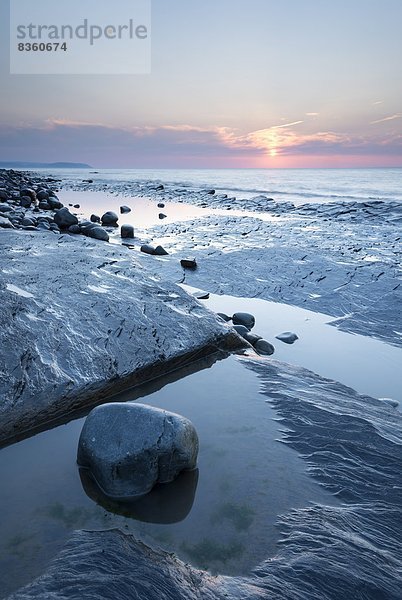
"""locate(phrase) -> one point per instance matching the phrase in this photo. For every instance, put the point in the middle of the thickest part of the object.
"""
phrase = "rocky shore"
(81, 320)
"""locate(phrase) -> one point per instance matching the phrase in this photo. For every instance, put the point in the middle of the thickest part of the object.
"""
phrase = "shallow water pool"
(221, 518)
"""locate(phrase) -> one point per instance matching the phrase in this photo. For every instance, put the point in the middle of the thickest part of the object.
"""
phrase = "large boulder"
(129, 448)
(64, 219)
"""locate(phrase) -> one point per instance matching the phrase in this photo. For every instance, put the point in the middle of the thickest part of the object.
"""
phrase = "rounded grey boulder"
(95, 219)
(288, 337)
(110, 218)
(64, 219)
(130, 447)
(245, 319)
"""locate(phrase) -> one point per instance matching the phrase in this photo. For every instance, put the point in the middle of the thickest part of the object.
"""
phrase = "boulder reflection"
(165, 504)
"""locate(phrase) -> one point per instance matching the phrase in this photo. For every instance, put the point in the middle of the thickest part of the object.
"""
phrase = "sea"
(295, 185)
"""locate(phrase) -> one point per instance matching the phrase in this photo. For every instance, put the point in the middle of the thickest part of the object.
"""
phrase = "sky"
(233, 83)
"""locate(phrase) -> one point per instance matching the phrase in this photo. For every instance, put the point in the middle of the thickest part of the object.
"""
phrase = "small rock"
(77, 206)
(95, 219)
(44, 205)
(129, 448)
(63, 218)
(74, 229)
(25, 201)
(161, 205)
(110, 218)
(42, 195)
(5, 208)
(43, 225)
(28, 192)
(6, 223)
(241, 330)
(54, 203)
(287, 337)
(98, 233)
(245, 319)
(224, 317)
(125, 209)
(252, 338)
(162, 216)
(160, 251)
(85, 225)
(188, 263)
(27, 222)
(3, 195)
(127, 231)
(147, 249)
(264, 347)
(390, 401)
(200, 295)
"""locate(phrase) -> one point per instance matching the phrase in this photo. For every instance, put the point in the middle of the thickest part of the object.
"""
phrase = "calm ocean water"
(295, 185)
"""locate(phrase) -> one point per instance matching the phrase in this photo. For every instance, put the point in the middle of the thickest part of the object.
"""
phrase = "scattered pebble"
(288, 337)
(188, 263)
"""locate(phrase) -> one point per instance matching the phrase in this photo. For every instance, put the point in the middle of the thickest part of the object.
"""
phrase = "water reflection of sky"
(367, 365)
(245, 480)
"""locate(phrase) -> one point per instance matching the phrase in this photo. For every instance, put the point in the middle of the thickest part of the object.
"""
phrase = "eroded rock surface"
(81, 320)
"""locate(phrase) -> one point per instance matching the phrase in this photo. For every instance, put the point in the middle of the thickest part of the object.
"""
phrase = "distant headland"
(34, 165)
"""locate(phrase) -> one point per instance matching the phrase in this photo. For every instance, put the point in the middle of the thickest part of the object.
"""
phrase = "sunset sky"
(234, 83)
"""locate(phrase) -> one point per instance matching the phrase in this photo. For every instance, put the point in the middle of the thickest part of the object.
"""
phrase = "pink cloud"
(191, 146)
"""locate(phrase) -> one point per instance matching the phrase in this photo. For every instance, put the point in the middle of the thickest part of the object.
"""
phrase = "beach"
(298, 492)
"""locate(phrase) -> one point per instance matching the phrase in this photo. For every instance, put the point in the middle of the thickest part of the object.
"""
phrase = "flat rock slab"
(110, 564)
(81, 320)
